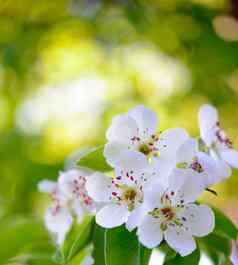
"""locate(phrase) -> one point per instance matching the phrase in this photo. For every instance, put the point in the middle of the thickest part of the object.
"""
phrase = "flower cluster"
(157, 179)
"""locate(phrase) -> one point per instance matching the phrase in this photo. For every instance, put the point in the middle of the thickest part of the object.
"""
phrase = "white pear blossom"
(123, 193)
(69, 199)
(188, 156)
(58, 219)
(172, 214)
(137, 131)
(216, 143)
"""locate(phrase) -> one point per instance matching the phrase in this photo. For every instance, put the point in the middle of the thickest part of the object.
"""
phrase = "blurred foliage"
(68, 66)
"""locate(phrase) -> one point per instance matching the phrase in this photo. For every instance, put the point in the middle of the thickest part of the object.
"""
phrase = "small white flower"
(188, 156)
(122, 194)
(215, 142)
(69, 199)
(72, 184)
(172, 215)
(137, 131)
(58, 219)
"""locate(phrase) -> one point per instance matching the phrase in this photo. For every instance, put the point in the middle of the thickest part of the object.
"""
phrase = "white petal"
(200, 219)
(170, 140)
(98, 187)
(132, 162)
(163, 166)
(112, 151)
(180, 241)
(112, 215)
(136, 217)
(187, 151)
(230, 156)
(149, 232)
(146, 120)
(47, 186)
(58, 221)
(152, 196)
(208, 117)
(223, 169)
(122, 129)
(79, 211)
(187, 183)
(209, 166)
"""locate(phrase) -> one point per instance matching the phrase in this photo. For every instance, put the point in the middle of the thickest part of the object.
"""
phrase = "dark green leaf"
(144, 255)
(98, 245)
(95, 160)
(120, 247)
(192, 259)
(224, 226)
(79, 237)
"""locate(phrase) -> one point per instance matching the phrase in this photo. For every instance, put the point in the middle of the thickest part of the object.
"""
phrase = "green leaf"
(17, 233)
(120, 247)
(98, 245)
(81, 256)
(167, 251)
(78, 238)
(224, 226)
(95, 160)
(217, 247)
(144, 255)
(192, 259)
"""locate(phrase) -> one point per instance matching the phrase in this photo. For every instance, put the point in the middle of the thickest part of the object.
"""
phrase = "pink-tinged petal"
(230, 156)
(208, 118)
(187, 151)
(113, 150)
(135, 218)
(122, 129)
(47, 186)
(170, 140)
(179, 240)
(71, 179)
(58, 221)
(112, 215)
(199, 219)
(149, 232)
(98, 187)
(146, 120)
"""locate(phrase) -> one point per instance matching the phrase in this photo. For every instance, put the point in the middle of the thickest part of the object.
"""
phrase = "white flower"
(58, 219)
(137, 131)
(72, 184)
(215, 142)
(122, 194)
(188, 156)
(172, 215)
(69, 199)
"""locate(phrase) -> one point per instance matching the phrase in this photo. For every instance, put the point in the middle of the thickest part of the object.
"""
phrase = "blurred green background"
(67, 67)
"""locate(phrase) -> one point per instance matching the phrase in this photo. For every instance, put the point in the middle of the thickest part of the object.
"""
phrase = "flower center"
(131, 196)
(166, 213)
(144, 148)
(195, 165)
